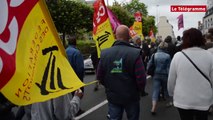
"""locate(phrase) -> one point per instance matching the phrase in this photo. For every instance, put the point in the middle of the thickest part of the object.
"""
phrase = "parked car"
(88, 66)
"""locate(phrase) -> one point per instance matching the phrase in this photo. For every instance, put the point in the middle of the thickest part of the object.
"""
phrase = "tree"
(126, 16)
(135, 6)
(71, 16)
(148, 24)
(122, 14)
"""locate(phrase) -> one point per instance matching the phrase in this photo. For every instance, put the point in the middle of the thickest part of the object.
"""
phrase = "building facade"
(209, 4)
(164, 29)
(208, 18)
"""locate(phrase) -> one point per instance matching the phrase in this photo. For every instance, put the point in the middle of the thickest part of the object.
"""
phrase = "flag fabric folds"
(102, 30)
(33, 63)
(151, 35)
(138, 16)
(132, 32)
(113, 20)
(180, 22)
(136, 28)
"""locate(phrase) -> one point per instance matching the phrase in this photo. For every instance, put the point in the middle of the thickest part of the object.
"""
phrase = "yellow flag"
(37, 68)
(137, 27)
(102, 30)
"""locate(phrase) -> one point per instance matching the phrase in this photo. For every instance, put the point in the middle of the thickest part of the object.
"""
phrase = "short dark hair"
(168, 39)
(178, 38)
(163, 45)
(71, 40)
(193, 37)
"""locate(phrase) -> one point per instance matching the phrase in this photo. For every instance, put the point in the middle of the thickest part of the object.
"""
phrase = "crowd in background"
(176, 79)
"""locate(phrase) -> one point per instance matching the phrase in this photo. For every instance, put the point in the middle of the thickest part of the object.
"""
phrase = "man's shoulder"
(130, 47)
(72, 49)
(107, 49)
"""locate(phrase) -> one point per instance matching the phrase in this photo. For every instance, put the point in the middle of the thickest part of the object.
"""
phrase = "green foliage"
(70, 16)
(148, 24)
(135, 6)
(74, 17)
(123, 15)
(86, 47)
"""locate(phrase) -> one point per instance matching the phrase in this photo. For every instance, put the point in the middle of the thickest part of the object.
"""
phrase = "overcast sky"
(190, 18)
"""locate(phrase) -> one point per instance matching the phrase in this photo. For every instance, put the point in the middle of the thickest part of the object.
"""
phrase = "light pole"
(157, 14)
(157, 24)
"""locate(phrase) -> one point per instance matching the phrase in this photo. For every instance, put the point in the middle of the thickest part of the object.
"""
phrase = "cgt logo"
(8, 27)
(100, 14)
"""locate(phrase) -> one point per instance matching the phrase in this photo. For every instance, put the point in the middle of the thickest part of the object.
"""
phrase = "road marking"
(95, 107)
(91, 110)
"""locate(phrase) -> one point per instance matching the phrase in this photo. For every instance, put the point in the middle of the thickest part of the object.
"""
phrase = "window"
(211, 22)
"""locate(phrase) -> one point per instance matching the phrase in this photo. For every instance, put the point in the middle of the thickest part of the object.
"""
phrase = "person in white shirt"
(192, 92)
(64, 107)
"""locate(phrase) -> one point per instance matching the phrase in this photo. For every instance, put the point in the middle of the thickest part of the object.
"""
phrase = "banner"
(138, 17)
(102, 30)
(137, 27)
(132, 32)
(33, 63)
(113, 20)
(180, 22)
(151, 35)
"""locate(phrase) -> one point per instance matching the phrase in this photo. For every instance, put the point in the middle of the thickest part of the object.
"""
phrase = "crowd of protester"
(183, 76)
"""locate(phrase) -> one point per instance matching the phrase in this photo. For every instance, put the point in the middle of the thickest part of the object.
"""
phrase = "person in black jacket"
(123, 76)
(171, 47)
(144, 55)
(95, 61)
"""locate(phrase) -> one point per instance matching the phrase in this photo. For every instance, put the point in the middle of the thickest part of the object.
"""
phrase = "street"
(95, 105)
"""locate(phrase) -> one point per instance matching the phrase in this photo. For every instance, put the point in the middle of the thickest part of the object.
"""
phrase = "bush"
(86, 47)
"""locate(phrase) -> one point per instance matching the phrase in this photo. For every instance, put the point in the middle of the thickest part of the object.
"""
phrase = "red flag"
(180, 22)
(10, 27)
(132, 32)
(100, 16)
(27, 33)
(102, 28)
(138, 16)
